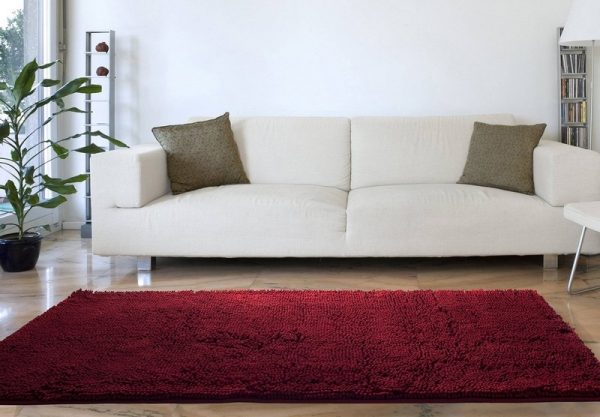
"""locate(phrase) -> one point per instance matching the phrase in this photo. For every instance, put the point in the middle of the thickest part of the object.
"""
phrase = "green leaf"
(48, 178)
(97, 133)
(76, 178)
(29, 175)
(60, 151)
(90, 89)
(46, 227)
(14, 155)
(12, 194)
(33, 200)
(61, 189)
(52, 203)
(3, 85)
(90, 149)
(60, 103)
(49, 83)
(4, 130)
(60, 181)
(70, 88)
(112, 140)
(70, 109)
(49, 64)
(10, 187)
(25, 81)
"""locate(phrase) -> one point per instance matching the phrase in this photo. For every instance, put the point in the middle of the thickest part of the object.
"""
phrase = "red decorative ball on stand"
(102, 47)
(102, 71)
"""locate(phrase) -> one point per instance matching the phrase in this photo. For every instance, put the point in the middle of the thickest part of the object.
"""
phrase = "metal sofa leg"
(146, 263)
(570, 289)
(550, 261)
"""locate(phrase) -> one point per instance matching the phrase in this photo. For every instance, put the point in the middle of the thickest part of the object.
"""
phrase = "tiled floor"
(67, 264)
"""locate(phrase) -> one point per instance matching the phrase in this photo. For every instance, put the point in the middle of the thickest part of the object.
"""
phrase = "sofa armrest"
(565, 174)
(129, 177)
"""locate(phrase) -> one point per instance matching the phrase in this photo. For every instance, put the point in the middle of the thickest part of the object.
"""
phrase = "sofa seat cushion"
(235, 220)
(454, 220)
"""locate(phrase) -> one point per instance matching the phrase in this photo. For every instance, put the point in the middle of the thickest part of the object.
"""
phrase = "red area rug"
(301, 346)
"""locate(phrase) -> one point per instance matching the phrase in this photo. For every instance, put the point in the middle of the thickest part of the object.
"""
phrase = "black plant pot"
(19, 255)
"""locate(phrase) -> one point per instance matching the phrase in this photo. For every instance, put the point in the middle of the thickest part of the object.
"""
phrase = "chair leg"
(146, 263)
(570, 289)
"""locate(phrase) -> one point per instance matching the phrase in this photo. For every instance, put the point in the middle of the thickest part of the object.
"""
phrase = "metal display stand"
(106, 103)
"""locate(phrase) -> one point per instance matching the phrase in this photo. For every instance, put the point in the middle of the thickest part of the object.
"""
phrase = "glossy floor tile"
(66, 264)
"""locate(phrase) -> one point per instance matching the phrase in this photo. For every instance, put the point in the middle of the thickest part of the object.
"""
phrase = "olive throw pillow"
(201, 154)
(501, 156)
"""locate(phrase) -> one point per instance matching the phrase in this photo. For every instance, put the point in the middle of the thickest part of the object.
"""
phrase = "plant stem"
(37, 153)
(19, 210)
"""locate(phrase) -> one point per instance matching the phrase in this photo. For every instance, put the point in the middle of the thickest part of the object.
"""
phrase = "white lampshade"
(583, 23)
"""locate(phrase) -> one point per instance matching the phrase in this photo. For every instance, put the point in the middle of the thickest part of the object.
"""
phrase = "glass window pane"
(11, 58)
(11, 39)
(19, 43)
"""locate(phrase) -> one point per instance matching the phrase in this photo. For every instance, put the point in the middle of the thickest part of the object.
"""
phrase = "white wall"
(182, 58)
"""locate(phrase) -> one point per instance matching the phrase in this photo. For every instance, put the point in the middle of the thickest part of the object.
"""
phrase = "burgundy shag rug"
(298, 346)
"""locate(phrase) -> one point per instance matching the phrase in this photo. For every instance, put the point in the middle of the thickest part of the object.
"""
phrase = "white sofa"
(338, 187)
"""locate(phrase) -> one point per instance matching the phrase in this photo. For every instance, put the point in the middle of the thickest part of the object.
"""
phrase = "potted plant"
(27, 181)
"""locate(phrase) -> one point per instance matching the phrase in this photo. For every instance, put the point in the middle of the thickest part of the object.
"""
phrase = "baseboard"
(72, 225)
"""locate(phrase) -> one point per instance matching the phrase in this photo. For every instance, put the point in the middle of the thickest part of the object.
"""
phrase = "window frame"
(50, 33)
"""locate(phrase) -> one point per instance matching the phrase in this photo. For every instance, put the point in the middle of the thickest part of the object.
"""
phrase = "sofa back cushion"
(295, 150)
(413, 150)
